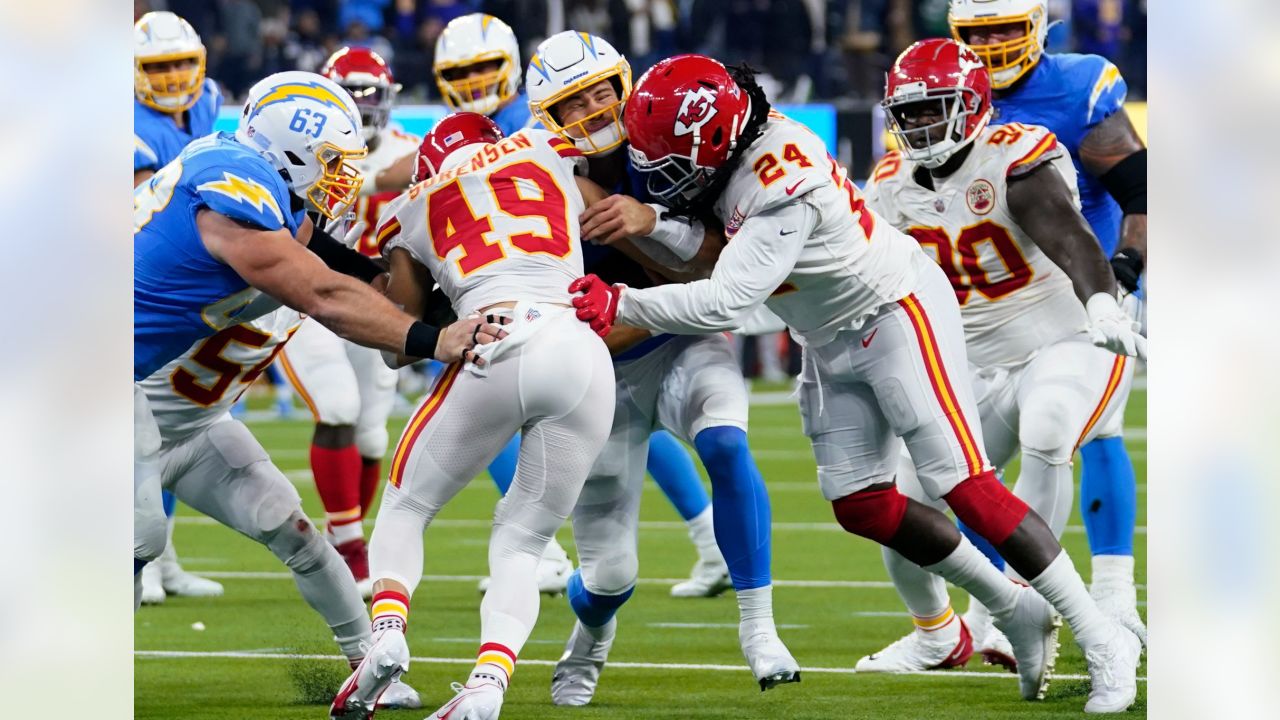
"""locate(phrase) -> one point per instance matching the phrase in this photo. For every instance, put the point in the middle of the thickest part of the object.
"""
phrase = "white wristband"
(682, 238)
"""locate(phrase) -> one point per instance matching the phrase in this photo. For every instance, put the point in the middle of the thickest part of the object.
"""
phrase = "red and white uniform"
(1043, 387)
(884, 348)
(343, 383)
(498, 225)
(209, 460)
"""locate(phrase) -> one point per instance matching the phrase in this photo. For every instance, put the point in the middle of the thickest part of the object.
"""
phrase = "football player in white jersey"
(578, 85)
(997, 207)
(214, 464)
(494, 225)
(347, 387)
(884, 355)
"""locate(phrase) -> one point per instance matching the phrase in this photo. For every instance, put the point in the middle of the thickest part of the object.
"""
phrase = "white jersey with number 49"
(851, 264)
(501, 225)
(1014, 300)
(198, 387)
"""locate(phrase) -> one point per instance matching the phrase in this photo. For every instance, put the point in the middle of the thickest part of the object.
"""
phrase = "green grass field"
(264, 654)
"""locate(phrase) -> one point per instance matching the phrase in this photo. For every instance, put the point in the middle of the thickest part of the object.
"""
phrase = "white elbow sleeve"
(680, 236)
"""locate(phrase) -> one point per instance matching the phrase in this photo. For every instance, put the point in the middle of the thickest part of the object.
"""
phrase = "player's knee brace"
(987, 507)
(872, 514)
(1046, 428)
(594, 609)
(371, 442)
(298, 544)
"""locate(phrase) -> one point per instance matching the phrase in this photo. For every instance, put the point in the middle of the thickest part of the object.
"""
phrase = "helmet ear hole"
(293, 158)
(717, 136)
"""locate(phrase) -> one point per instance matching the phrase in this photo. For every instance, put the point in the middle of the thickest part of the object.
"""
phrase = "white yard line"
(239, 655)
(714, 626)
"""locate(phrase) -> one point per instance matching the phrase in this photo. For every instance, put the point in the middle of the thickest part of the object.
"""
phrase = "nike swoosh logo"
(867, 340)
(785, 233)
(792, 189)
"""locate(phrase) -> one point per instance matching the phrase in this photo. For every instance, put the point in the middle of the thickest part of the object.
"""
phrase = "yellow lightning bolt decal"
(288, 91)
(1107, 80)
(238, 188)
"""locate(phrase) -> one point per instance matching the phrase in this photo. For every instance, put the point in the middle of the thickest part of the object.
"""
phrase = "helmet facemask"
(933, 144)
(604, 139)
(170, 90)
(1009, 60)
(374, 103)
(483, 93)
(339, 182)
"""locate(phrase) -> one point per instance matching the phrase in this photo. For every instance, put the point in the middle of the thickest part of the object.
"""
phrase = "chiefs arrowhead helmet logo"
(695, 110)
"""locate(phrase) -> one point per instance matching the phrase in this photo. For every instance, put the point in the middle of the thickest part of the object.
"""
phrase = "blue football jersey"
(157, 140)
(1070, 94)
(180, 292)
(514, 115)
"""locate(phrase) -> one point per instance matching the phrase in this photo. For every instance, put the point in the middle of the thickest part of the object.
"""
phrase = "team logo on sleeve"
(248, 191)
(696, 109)
(981, 197)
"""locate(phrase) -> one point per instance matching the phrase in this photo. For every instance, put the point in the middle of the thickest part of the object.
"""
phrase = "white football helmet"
(1007, 61)
(168, 62)
(567, 63)
(309, 128)
(477, 39)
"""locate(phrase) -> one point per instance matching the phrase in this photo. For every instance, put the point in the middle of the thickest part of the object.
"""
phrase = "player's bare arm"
(275, 263)
(619, 217)
(1113, 153)
(1043, 206)
(397, 175)
(143, 175)
(409, 288)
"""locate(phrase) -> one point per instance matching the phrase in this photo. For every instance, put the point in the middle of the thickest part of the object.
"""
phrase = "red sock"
(370, 476)
(337, 474)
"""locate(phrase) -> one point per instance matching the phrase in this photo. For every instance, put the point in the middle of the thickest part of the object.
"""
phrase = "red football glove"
(598, 303)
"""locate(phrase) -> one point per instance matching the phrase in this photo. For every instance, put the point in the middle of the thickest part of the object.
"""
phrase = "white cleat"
(1032, 629)
(554, 569)
(399, 696)
(989, 642)
(770, 660)
(708, 579)
(479, 699)
(181, 583)
(573, 682)
(1118, 600)
(152, 587)
(1113, 673)
(920, 651)
(384, 663)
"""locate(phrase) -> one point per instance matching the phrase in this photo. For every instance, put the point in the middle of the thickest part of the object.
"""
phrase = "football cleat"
(399, 696)
(1032, 629)
(989, 642)
(708, 579)
(770, 660)
(386, 660)
(919, 651)
(573, 682)
(1113, 671)
(479, 699)
(152, 588)
(1118, 600)
(179, 582)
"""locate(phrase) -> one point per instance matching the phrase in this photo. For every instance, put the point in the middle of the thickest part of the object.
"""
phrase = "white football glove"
(352, 236)
(1113, 329)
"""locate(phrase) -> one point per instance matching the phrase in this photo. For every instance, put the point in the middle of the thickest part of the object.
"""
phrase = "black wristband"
(1127, 183)
(421, 340)
(341, 258)
(1127, 266)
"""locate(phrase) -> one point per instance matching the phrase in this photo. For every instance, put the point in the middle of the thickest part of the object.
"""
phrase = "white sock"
(702, 532)
(967, 568)
(1061, 585)
(554, 552)
(756, 605)
(1046, 487)
(977, 612)
(1113, 570)
(598, 633)
(347, 532)
(924, 593)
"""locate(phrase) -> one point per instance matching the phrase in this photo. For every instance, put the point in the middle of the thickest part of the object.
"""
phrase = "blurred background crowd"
(814, 50)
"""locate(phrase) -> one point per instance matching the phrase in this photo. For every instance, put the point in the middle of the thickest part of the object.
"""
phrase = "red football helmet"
(937, 98)
(451, 134)
(684, 119)
(364, 74)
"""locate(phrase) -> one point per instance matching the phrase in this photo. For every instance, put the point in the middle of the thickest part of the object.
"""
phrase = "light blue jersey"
(514, 115)
(180, 292)
(157, 139)
(1070, 94)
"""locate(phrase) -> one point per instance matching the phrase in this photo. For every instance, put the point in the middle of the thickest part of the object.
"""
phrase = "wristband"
(421, 340)
(681, 236)
(1127, 265)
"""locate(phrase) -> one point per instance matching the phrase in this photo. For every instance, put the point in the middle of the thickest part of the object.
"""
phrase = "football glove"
(1111, 328)
(598, 304)
(1127, 266)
